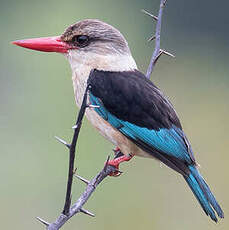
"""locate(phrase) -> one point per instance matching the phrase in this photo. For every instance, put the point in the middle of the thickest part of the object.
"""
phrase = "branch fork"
(77, 207)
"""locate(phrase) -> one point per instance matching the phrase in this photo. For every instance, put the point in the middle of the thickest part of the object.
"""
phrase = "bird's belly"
(113, 135)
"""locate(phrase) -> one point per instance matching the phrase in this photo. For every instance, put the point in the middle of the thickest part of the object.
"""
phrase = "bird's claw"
(116, 173)
(115, 163)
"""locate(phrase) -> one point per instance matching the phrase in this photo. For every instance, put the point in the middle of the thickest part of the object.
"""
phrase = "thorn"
(167, 53)
(156, 59)
(162, 52)
(93, 106)
(74, 171)
(82, 179)
(42, 221)
(151, 38)
(149, 14)
(63, 142)
(87, 212)
(75, 126)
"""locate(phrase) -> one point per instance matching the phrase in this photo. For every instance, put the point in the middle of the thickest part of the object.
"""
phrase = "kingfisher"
(127, 108)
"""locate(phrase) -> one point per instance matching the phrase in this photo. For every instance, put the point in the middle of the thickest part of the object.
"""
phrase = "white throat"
(82, 63)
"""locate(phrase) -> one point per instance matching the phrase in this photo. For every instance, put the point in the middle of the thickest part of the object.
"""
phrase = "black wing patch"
(131, 97)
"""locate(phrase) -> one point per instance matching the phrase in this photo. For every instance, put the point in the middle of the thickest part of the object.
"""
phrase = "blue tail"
(203, 194)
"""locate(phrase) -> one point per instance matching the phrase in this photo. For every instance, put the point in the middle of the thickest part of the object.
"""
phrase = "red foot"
(115, 162)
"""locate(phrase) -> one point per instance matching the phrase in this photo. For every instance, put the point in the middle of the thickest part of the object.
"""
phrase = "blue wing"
(170, 142)
(132, 104)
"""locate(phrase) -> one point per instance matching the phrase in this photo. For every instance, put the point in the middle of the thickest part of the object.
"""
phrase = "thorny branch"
(77, 207)
(72, 150)
(69, 211)
(157, 50)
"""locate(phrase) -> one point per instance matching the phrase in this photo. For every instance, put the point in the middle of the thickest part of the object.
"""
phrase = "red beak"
(46, 44)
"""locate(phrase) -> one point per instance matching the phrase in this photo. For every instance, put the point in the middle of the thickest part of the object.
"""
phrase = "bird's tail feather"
(203, 193)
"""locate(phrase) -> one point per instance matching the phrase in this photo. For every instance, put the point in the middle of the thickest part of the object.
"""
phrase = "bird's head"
(90, 43)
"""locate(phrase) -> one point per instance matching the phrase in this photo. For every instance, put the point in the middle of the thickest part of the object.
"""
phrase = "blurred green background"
(37, 103)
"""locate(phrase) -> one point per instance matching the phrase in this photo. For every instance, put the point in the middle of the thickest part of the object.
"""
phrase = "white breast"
(81, 66)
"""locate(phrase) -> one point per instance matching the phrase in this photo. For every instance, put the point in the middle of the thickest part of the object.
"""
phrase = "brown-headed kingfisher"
(128, 109)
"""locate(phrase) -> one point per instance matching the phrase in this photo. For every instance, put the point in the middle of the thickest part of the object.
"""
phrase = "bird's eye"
(80, 40)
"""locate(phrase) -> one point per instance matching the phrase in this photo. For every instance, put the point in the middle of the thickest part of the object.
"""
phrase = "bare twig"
(157, 51)
(72, 149)
(78, 206)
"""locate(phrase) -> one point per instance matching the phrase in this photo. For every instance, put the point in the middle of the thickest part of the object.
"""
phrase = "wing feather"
(134, 106)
